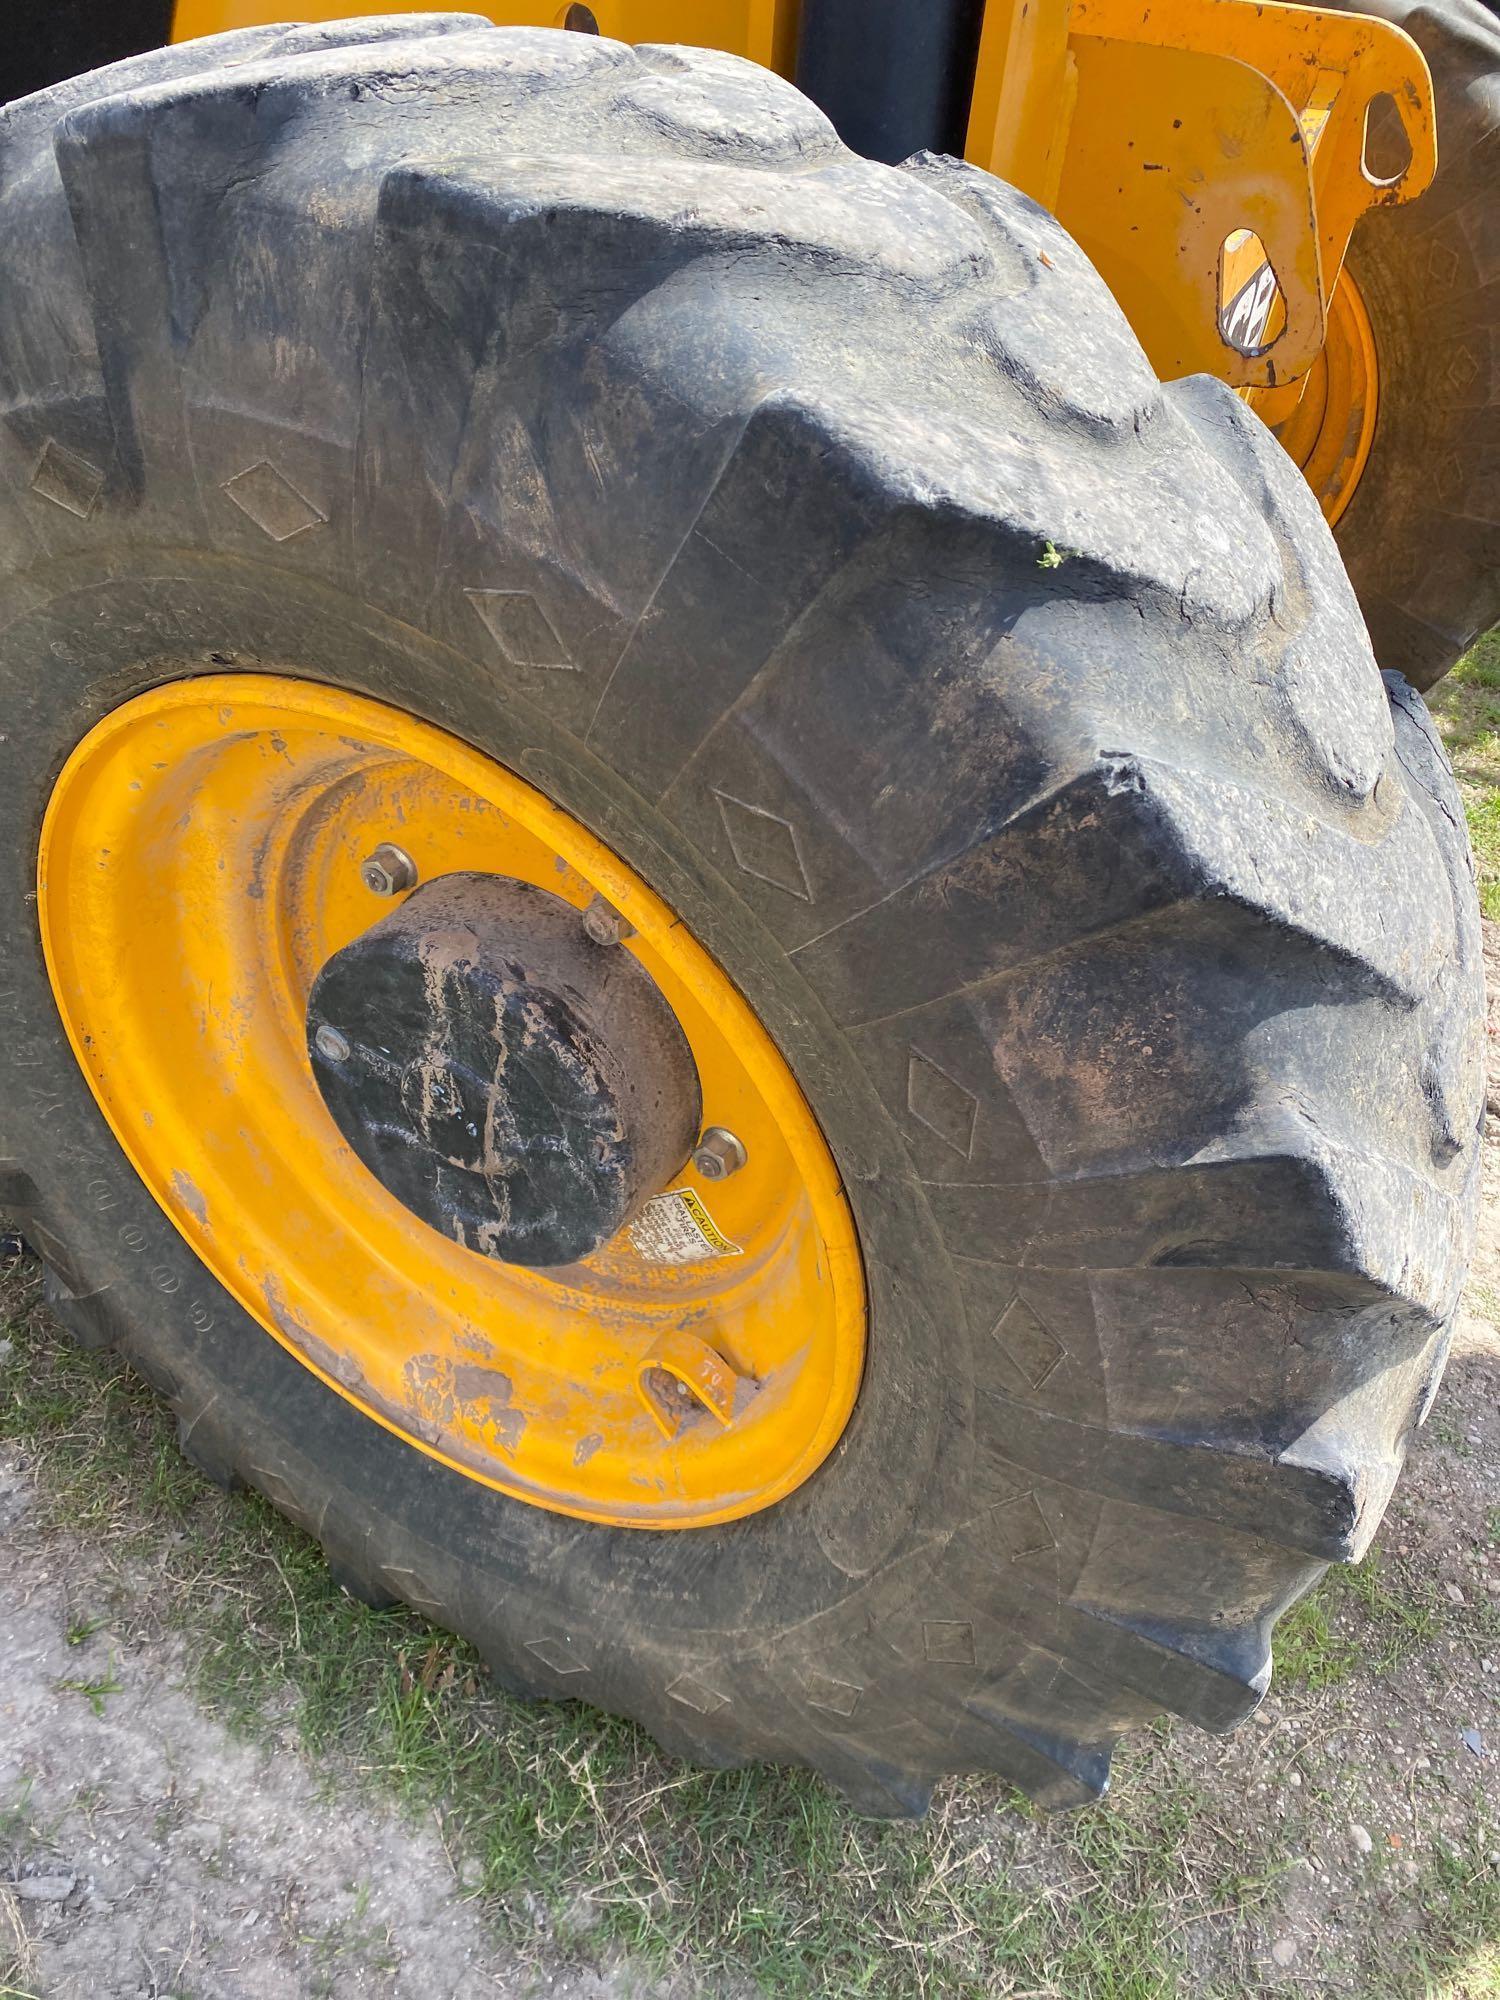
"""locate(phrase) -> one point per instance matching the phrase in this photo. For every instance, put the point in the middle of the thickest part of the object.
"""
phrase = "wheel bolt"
(330, 1043)
(604, 924)
(718, 1154)
(389, 871)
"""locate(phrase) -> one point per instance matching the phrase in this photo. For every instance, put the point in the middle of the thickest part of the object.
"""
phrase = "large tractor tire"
(483, 453)
(1420, 534)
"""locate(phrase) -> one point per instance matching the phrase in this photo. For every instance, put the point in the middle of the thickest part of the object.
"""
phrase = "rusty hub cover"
(517, 1086)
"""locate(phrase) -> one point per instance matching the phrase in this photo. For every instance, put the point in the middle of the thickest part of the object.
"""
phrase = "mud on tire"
(1116, 918)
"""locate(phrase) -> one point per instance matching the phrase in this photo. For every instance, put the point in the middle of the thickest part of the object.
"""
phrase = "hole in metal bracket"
(1252, 305)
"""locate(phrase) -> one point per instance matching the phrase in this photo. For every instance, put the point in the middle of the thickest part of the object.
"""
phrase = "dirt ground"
(156, 1841)
(156, 1855)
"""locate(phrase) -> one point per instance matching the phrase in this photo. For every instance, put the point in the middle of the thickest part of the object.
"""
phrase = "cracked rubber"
(1421, 537)
(1116, 917)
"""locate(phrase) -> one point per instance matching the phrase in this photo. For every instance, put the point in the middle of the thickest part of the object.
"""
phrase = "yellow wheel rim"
(1332, 429)
(200, 861)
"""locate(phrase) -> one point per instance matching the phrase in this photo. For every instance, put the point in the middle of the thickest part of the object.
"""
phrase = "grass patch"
(17, 1958)
(95, 1692)
(1483, 816)
(1357, 1620)
(580, 1837)
(17, 1953)
(1312, 1649)
(1467, 702)
(570, 1821)
(1466, 709)
(1458, 1957)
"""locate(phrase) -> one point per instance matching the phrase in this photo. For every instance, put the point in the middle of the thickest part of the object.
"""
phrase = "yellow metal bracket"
(1191, 146)
(682, 1375)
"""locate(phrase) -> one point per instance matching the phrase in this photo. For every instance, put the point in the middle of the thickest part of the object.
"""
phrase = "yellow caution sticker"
(675, 1228)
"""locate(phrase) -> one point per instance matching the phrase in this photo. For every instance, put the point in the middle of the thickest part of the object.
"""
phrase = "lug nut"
(330, 1043)
(604, 924)
(718, 1154)
(389, 871)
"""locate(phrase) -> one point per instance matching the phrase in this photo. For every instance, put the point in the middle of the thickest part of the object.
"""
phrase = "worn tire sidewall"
(97, 637)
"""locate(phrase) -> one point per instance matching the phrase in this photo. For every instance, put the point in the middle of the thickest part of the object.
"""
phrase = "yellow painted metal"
(682, 1375)
(1159, 129)
(764, 30)
(199, 863)
(1025, 92)
(1326, 421)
